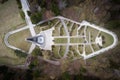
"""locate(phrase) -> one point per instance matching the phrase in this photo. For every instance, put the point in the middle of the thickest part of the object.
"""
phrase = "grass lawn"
(54, 21)
(108, 39)
(88, 49)
(69, 25)
(80, 48)
(46, 25)
(9, 16)
(95, 47)
(56, 32)
(38, 29)
(74, 50)
(93, 33)
(10, 19)
(56, 51)
(77, 40)
(62, 31)
(81, 31)
(12, 61)
(18, 40)
(60, 40)
(62, 50)
(74, 30)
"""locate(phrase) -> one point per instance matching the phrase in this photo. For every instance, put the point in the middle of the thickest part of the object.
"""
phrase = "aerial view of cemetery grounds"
(65, 38)
(74, 40)
(59, 40)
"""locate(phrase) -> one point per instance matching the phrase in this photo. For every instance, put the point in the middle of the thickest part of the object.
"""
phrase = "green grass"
(9, 15)
(11, 61)
(73, 49)
(62, 50)
(77, 40)
(69, 25)
(38, 29)
(18, 40)
(56, 32)
(93, 33)
(54, 21)
(62, 31)
(70, 55)
(80, 48)
(107, 38)
(81, 31)
(10, 19)
(74, 30)
(46, 25)
(95, 47)
(88, 49)
(56, 51)
(60, 40)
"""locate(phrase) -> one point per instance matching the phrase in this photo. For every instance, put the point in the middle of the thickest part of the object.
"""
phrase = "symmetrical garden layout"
(60, 37)
(68, 38)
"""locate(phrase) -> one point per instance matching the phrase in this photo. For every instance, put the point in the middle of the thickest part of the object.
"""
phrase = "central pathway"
(25, 8)
(30, 26)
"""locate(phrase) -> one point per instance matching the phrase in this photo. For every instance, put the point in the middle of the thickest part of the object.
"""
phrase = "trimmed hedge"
(20, 54)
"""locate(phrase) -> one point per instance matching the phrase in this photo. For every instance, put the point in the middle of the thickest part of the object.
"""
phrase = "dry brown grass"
(9, 20)
(18, 40)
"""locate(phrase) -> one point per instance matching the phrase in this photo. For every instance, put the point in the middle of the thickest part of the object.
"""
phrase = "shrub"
(114, 23)
(36, 17)
(33, 63)
(55, 9)
(37, 52)
(22, 14)
(29, 13)
(65, 76)
(19, 4)
(20, 53)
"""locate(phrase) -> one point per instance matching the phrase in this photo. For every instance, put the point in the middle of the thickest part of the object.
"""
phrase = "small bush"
(19, 4)
(55, 9)
(114, 24)
(20, 53)
(22, 14)
(65, 76)
(29, 13)
(36, 17)
(33, 63)
(37, 52)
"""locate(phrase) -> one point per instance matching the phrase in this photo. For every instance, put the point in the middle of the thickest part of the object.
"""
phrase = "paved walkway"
(10, 33)
(30, 26)
(85, 23)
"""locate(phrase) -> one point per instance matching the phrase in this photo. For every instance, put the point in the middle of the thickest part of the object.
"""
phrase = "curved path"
(31, 26)
(10, 33)
(25, 8)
